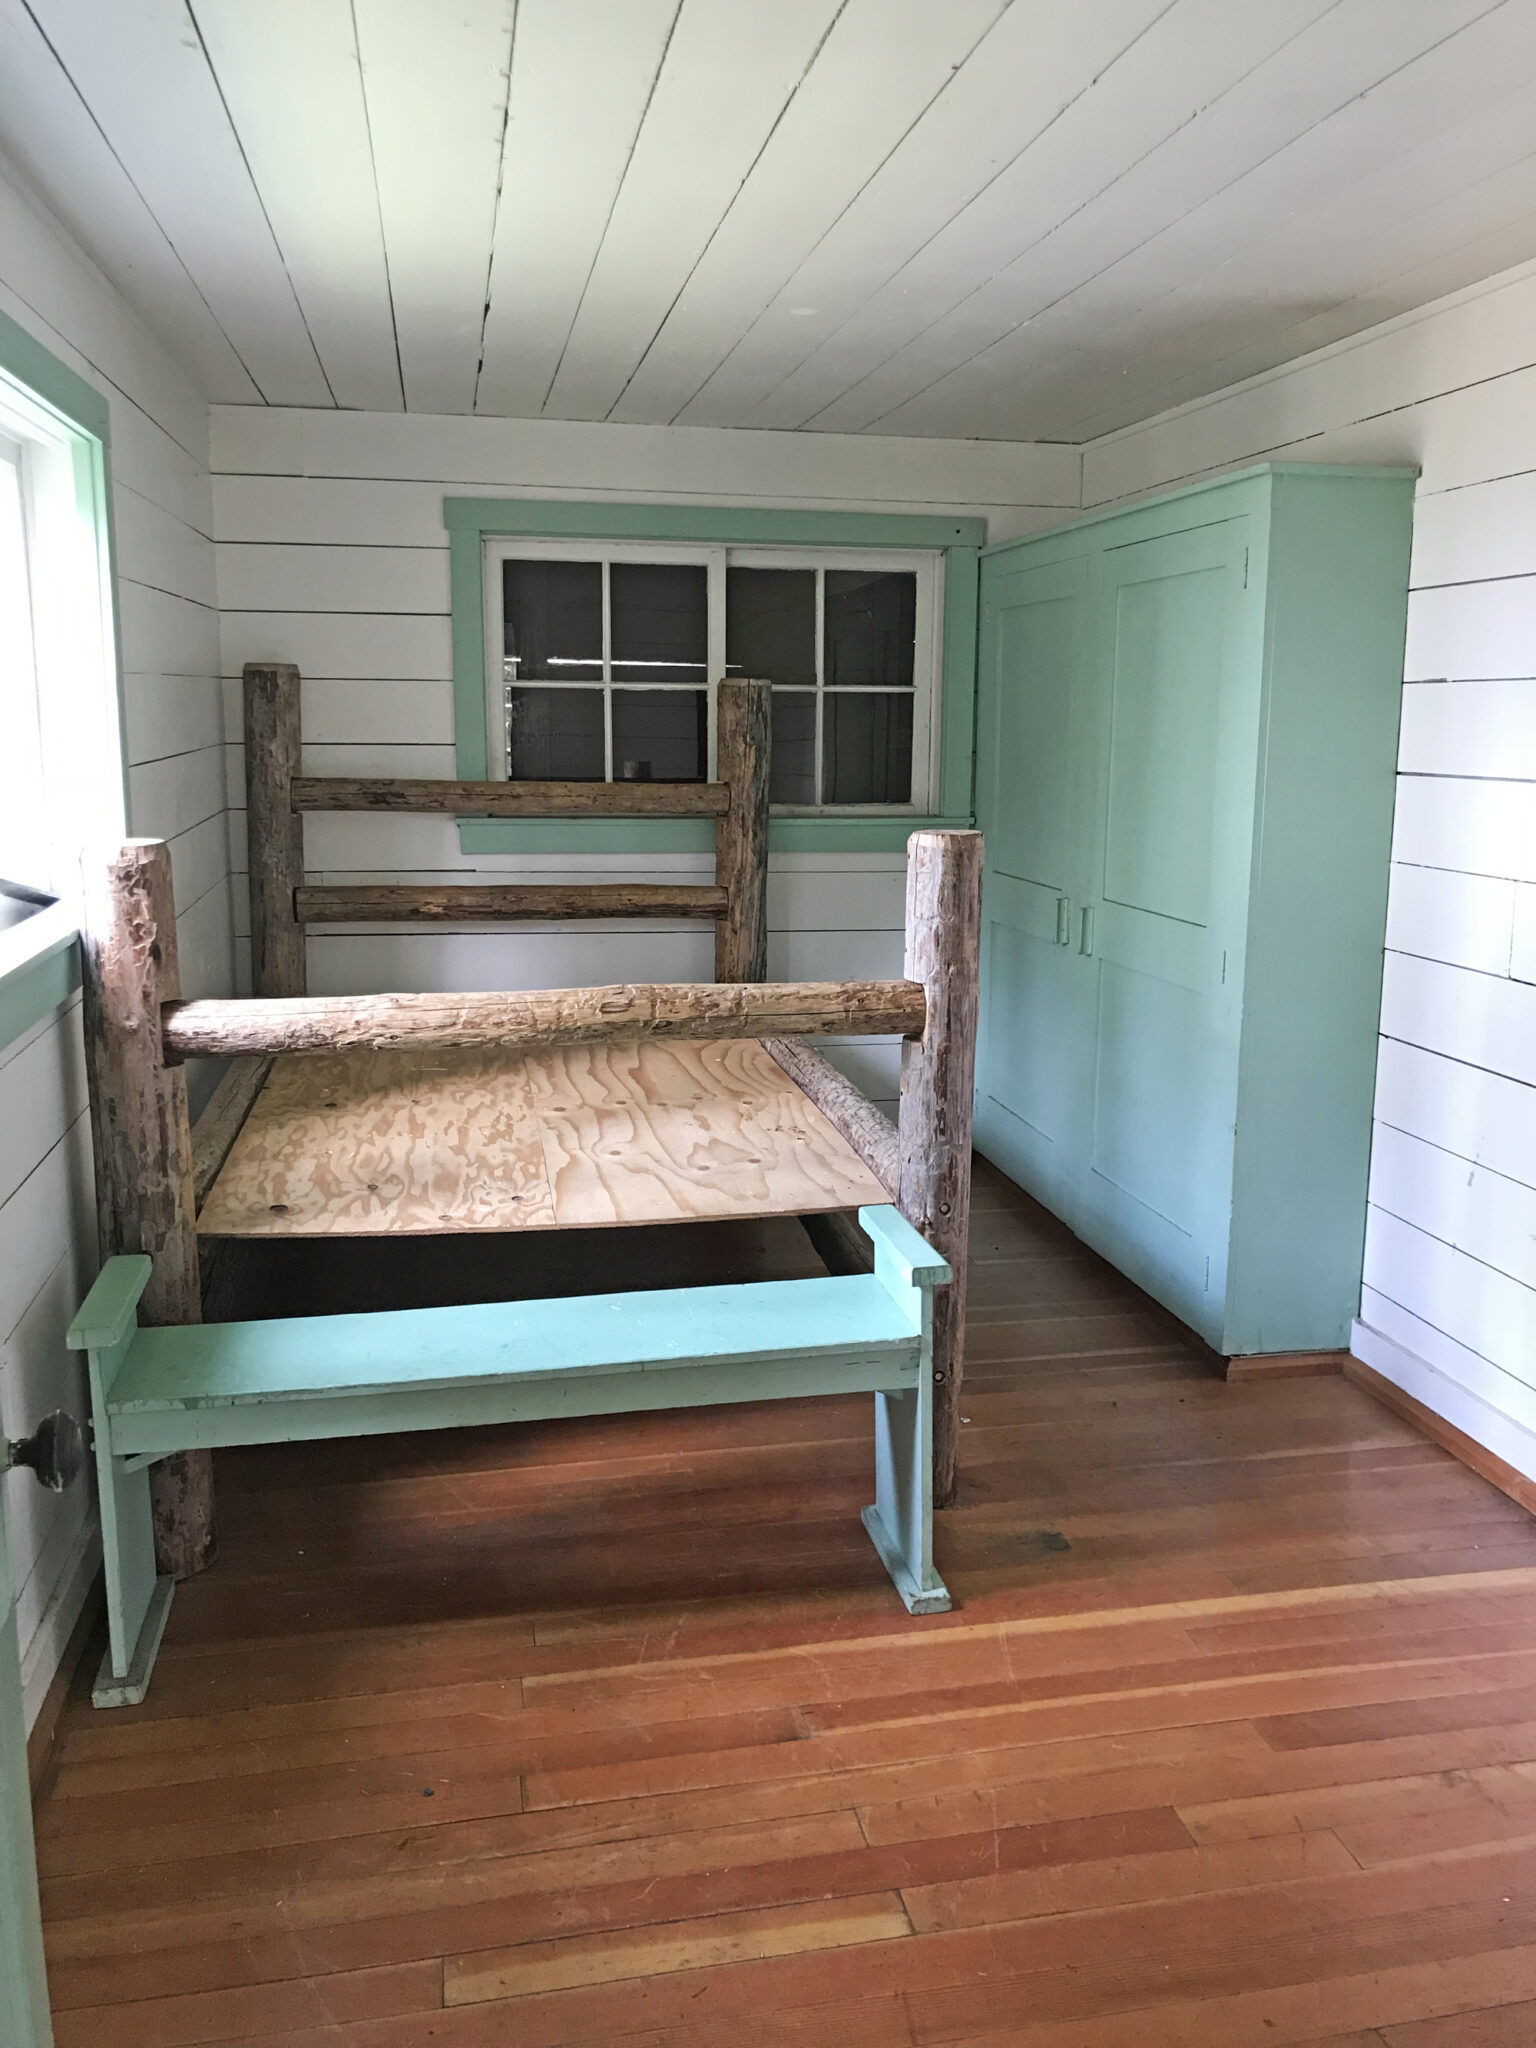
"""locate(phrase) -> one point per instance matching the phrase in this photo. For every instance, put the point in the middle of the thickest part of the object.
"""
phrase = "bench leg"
(137, 1602)
(900, 1523)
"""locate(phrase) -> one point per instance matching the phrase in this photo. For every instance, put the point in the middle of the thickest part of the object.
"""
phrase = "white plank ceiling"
(1006, 219)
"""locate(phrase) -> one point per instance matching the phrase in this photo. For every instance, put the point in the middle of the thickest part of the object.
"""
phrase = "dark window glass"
(871, 624)
(554, 620)
(660, 735)
(554, 735)
(866, 748)
(659, 619)
(792, 773)
(770, 624)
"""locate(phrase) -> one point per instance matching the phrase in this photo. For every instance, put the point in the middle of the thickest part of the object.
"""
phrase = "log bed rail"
(153, 1171)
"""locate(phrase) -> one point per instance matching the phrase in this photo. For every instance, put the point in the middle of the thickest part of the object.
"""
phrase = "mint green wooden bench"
(206, 1385)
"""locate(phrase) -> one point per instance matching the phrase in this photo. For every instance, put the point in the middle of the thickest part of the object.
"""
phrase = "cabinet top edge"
(1253, 472)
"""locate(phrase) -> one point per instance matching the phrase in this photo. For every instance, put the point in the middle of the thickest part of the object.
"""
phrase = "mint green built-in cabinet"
(1186, 746)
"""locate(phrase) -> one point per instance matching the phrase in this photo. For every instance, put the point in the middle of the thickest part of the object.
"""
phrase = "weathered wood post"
(274, 829)
(142, 1144)
(938, 1074)
(742, 728)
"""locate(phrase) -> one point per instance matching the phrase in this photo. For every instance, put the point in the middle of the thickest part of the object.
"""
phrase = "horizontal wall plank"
(1463, 1109)
(1476, 827)
(1464, 920)
(1476, 1018)
(268, 577)
(1485, 729)
(1460, 1204)
(1482, 530)
(1473, 1304)
(1471, 630)
(322, 645)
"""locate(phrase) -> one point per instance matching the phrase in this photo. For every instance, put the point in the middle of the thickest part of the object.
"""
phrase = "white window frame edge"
(928, 636)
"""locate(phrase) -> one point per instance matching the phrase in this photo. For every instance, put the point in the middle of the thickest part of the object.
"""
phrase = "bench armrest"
(107, 1312)
(914, 1259)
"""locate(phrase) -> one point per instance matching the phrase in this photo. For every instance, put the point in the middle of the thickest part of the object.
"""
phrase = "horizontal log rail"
(512, 799)
(219, 1028)
(362, 903)
(851, 1114)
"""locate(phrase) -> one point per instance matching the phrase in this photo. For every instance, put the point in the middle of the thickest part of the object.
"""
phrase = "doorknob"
(54, 1452)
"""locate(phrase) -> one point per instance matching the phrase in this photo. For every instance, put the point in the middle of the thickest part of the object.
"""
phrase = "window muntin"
(602, 659)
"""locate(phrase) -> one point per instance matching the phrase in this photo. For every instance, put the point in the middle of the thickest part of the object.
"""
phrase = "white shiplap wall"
(1449, 1308)
(169, 637)
(332, 554)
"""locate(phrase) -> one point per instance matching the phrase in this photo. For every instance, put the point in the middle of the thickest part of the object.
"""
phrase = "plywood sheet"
(359, 1145)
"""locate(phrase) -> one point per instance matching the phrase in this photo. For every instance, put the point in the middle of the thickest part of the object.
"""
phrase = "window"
(601, 660)
(61, 777)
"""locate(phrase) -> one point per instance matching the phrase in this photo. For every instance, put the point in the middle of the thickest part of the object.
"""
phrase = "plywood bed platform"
(566, 1138)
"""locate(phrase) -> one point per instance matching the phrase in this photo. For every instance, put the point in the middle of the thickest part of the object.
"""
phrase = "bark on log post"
(142, 1144)
(275, 831)
(532, 1019)
(742, 744)
(937, 1079)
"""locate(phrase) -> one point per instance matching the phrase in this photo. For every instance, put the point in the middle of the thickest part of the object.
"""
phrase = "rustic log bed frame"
(164, 1395)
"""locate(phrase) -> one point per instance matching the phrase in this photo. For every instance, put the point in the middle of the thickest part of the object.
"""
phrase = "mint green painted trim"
(42, 375)
(24, 2021)
(719, 525)
(469, 520)
(912, 1258)
(107, 1312)
(29, 992)
(883, 834)
(1179, 494)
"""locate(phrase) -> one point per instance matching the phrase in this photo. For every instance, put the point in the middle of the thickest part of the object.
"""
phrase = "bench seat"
(157, 1391)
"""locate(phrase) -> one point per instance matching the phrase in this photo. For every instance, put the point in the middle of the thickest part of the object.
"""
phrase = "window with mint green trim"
(55, 428)
(471, 521)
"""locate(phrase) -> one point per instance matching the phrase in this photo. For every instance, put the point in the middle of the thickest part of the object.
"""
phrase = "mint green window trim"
(470, 520)
(42, 976)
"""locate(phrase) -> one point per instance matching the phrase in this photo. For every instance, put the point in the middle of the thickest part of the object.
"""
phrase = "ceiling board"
(304, 129)
(834, 137)
(923, 320)
(1036, 62)
(728, 74)
(582, 75)
(435, 84)
(1274, 248)
(140, 67)
(47, 129)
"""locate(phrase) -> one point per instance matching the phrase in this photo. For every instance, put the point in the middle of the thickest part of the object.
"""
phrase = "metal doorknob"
(54, 1452)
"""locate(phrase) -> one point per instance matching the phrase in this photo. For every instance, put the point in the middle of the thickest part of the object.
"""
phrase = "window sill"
(806, 832)
(39, 968)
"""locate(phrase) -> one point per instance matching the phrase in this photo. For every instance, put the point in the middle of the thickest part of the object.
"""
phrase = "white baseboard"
(41, 1658)
(1498, 1433)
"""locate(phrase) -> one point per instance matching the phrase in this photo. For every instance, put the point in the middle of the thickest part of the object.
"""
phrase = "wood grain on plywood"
(370, 1144)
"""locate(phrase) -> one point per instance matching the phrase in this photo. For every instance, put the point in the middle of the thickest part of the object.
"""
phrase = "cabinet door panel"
(1177, 700)
(1164, 717)
(1032, 1072)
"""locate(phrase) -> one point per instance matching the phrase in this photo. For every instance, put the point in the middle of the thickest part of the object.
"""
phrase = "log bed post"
(142, 1144)
(742, 723)
(274, 829)
(937, 1079)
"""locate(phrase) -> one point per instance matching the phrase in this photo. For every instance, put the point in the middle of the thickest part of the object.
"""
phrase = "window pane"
(554, 620)
(792, 775)
(770, 624)
(24, 848)
(660, 735)
(866, 748)
(871, 625)
(554, 735)
(659, 618)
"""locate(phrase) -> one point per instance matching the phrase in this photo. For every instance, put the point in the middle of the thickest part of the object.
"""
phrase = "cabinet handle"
(1085, 945)
(1063, 920)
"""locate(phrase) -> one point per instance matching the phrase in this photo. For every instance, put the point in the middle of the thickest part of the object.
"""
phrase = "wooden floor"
(613, 1732)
